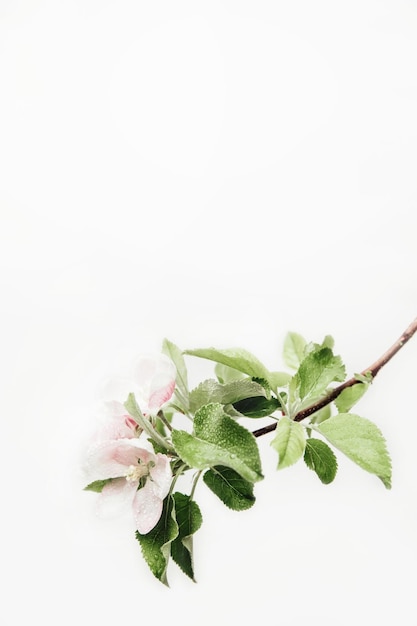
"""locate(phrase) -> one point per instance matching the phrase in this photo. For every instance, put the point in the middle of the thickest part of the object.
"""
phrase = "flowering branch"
(371, 371)
(138, 455)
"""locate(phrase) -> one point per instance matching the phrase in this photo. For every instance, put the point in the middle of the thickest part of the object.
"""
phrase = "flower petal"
(116, 497)
(118, 424)
(147, 508)
(161, 395)
(155, 375)
(111, 459)
(160, 476)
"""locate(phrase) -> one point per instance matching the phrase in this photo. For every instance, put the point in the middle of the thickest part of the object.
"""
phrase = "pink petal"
(160, 396)
(116, 497)
(160, 476)
(111, 459)
(147, 508)
(117, 425)
(155, 375)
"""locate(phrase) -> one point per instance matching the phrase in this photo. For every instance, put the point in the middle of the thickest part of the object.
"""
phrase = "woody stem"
(334, 393)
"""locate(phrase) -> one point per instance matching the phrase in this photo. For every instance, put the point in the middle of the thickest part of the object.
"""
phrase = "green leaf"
(202, 455)
(279, 379)
(219, 440)
(364, 378)
(97, 485)
(213, 425)
(328, 342)
(350, 396)
(289, 442)
(175, 354)
(236, 358)
(189, 520)
(293, 353)
(316, 372)
(257, 407)
(233, 490)
(361, 441)
(227, 374)
(265, 384)
(320, 458)
(211, 391)
(156, 545)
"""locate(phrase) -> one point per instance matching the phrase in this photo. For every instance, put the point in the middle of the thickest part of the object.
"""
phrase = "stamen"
(136, 472)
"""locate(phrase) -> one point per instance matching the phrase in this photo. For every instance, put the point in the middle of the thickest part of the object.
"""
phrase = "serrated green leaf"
(230, 410)
(201, 454)
(321, 459)
(175, 354)
(350, 396)
(213, 425)
(257, 407)
(236, 358)
(227, 374)
(364, 378)
(97, 485)
(293, 352)
(279, 379)
(316, 372)
(219, 440)
(156, 545)
(361, 441)
(328, 342)
(189, 520)
(233, 490)
(265, 384)
(289, 442)
(210, 391)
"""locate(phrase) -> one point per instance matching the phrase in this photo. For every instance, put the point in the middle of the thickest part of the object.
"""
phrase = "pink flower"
(153, 383)
(118, 424)
(139, 478)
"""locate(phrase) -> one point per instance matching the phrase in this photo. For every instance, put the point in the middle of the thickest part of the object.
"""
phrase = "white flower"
(153, 383)
(140, 479)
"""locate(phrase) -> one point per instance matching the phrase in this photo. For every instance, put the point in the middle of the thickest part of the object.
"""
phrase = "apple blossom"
(152, 382)
(117, 424)
(139, 478)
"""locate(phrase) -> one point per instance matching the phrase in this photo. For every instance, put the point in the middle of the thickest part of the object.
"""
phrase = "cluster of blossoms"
(133, 475)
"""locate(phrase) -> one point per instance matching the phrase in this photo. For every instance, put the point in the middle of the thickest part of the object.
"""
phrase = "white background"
(217, 173)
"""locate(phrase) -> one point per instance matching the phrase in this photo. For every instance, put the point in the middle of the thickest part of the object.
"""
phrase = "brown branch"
(334, 393)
